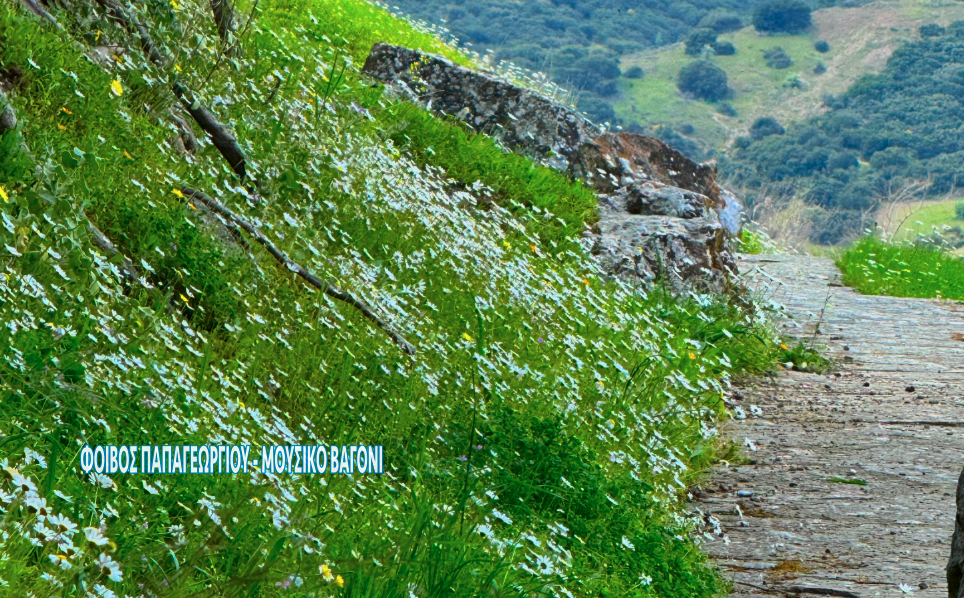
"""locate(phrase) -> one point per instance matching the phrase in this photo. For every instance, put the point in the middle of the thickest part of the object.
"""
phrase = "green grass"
(470, 158)
(854, 481)
(876, 267)
(541, 439)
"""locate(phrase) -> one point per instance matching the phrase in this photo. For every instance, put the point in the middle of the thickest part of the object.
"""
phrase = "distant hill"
(580, 43)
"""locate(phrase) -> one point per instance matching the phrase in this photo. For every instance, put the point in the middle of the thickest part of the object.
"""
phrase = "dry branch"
(223, 12)
(132, 25)
(36, 8)
(220, 136)
(101, 242)
(328, 289)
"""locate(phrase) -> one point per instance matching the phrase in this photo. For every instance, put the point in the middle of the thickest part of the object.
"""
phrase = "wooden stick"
(101, 241)
(223, 12)
(35, 7)
(330, 290)
(219, 134)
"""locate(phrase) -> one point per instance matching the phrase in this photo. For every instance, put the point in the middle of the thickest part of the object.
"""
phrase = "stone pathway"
(892, 416)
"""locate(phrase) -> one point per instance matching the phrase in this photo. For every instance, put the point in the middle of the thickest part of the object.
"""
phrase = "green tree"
(782, 16)
(703, 80)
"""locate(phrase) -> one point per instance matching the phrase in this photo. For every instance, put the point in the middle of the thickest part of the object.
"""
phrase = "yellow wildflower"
(61, 127)
(340, 581)
(184, 299)
(116, 87)
(63, 109)
(178, 193)
(692, 355)
(3, 194)
(784, 347)
(466, 336)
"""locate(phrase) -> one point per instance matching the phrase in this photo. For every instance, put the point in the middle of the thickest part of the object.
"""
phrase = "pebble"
(745, 493)
(909, 389)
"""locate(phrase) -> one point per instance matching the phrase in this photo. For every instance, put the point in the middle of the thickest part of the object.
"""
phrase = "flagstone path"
(891, 416)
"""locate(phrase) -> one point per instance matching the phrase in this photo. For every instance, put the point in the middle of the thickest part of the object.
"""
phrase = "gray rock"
(653, 199)
(525, 121)
(683, 251)
(955, 565)
(662, 214)
(8, 119)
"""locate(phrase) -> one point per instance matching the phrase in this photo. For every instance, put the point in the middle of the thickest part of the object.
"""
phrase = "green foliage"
(703, 80)
(722, 21)
(777, 58)
(895, 122)
(724, 49)
(750, 242)
(875, 267)
(821, 46)
(635, 72)
(699, 40)
(959, 210)
(854, 481)
(932, 30)
(782, 16)
(474, 159)
(537, 379)
(764, 127)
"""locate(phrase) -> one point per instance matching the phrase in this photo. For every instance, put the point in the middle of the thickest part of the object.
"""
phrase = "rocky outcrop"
(609, 160)
(955, 565)
(525, 121)
(662, 214)
(684, 251)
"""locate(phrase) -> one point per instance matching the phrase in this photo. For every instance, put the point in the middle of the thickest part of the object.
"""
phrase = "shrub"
(727, 109)
(782, 16)
(722, 22)
(703, 80)
(959, 210)
(822, 46)
(932, 30)
(764, 127)
(724, 49)
(777, 58)
(635, 72)
(698, 40)
(820, 69)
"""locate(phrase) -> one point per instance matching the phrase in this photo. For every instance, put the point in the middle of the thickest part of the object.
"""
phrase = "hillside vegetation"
(582, 44)
(540, 438)
(885, 133)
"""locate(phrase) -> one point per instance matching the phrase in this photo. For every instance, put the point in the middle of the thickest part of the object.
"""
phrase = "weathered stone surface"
(525, 121)
(8, 119)
(653, 199)
(662, 214)
(802, 430)
(612, 160)
(680, 250)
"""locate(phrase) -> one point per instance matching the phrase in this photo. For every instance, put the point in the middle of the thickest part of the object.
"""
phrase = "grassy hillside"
(861, 40)
(539, 440)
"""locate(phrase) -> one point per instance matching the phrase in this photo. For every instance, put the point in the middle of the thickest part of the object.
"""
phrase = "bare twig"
(332, 291)
(101, 242)
(131, 24)
(36, 8)
(223, 12)
(818, 591)
(220, 136)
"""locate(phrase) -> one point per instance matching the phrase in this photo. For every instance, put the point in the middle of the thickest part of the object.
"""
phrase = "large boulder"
(525, 121)
(662, 214)
(685, 251)
(612, 159)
